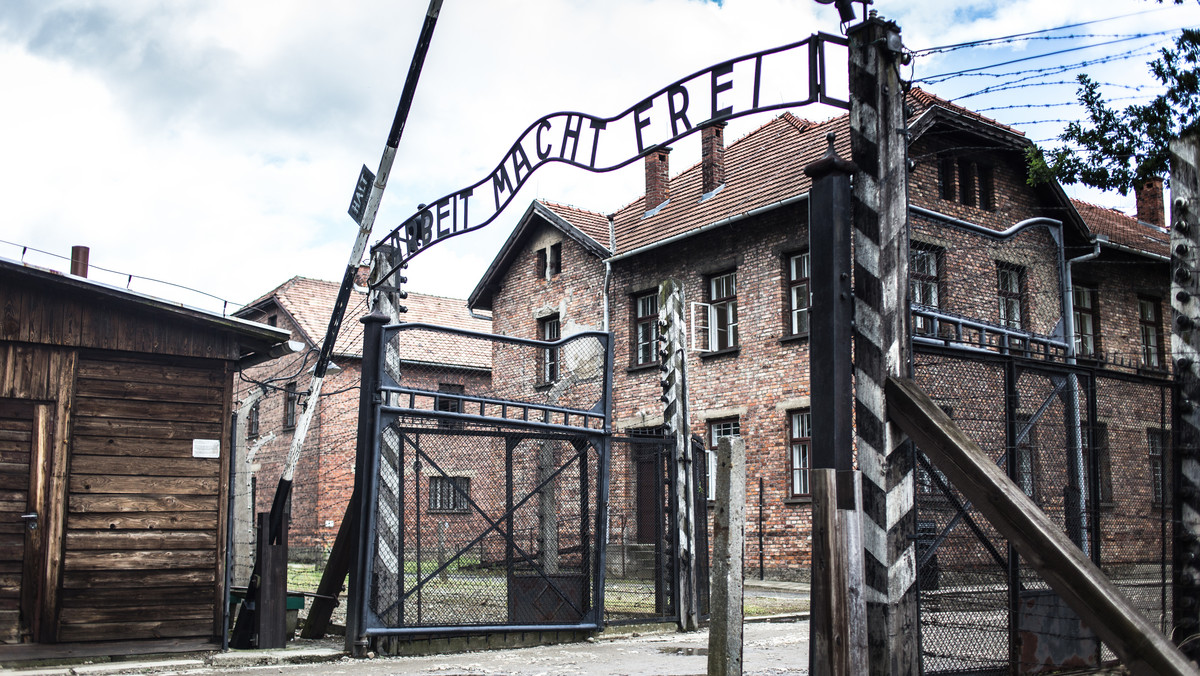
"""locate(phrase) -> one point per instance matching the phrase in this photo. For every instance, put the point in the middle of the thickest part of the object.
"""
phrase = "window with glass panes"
(1009, 291)
(798, 294)
(799, 457)
(723, 321)
(1157, 440)
(923, 283)
(645, 329)
(1099, 461)
(443, 496)
(716, 430)
(291, 397)
(1087, 321)
(548, 330)
(1150, 322)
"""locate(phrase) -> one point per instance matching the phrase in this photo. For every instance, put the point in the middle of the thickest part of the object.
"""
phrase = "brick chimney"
(1150, 203)
(712, 156)
(79, 260)
(658, 174)
(363, 275)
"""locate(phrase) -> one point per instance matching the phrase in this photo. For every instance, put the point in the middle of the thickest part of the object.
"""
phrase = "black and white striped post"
(1185, 347)
(881, 343)
(673, 350)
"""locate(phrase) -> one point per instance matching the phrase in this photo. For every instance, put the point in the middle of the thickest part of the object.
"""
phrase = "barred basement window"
(449, 494)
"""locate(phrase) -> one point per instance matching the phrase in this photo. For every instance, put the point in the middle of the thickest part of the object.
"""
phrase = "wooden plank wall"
(32, 315)
(143, 548)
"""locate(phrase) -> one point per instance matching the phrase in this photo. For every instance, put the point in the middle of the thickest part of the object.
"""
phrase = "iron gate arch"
(485, 500)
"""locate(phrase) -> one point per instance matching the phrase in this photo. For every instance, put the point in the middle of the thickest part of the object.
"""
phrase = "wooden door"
(22, 435)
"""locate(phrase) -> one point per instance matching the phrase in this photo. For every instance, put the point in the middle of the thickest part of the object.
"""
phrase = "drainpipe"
(1073, 397)
(612, 246)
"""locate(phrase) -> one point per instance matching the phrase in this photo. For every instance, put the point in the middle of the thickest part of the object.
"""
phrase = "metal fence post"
(368, 400)
(1185, 347)
(881, 342)
(834, 488)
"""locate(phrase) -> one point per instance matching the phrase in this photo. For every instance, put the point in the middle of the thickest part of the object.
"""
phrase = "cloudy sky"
(214, 144)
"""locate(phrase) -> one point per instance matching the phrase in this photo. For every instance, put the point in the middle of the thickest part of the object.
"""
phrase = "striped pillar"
(673, 341)
(1185, 349)
(881, 344)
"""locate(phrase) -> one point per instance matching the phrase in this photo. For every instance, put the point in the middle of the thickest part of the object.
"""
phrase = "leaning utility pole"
(881, 343)
(363, 212)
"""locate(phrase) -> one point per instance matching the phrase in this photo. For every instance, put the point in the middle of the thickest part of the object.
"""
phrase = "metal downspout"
(1073, 395)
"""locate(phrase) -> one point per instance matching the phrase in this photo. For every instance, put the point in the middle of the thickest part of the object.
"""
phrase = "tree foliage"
(1118, 149)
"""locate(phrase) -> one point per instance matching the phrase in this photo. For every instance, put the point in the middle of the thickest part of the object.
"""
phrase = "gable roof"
(309, 303)
(588, 228)
(1125, 231)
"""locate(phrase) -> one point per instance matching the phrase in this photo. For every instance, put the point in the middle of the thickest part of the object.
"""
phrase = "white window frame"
(704, 336)
(550, 329)
(710, 453)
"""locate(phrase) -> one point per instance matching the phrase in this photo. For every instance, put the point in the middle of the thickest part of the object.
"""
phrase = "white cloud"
(215, 144)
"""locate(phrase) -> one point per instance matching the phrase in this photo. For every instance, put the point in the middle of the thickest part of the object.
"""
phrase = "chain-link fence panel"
(637, 586)
(962, 560)
(1091, 450)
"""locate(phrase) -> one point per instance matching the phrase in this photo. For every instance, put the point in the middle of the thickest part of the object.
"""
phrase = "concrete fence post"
(729, 541)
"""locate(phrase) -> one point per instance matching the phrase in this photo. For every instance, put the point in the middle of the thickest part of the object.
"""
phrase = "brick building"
(993, 260)
(324, 477)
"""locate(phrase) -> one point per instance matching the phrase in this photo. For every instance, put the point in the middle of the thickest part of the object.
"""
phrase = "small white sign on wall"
(206, 448)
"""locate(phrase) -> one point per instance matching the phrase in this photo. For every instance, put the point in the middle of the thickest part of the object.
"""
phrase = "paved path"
(774, 649)
(770, 649)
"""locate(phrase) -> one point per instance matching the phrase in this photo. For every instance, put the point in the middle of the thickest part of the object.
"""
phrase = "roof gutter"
(711, 226)
(1136, 252)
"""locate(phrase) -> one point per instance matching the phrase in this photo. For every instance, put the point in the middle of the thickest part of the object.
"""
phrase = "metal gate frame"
(388, 406)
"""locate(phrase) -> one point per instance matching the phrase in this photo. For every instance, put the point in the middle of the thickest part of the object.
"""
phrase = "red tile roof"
(590, 223)
(920, 100)
(310, 303)
(761, 168)
(1123, 229)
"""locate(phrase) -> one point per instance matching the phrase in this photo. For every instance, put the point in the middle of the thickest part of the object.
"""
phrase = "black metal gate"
(1090, 446)
(486, 492)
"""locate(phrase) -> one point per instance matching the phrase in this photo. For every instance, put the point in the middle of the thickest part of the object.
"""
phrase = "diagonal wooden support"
(1080, 583)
